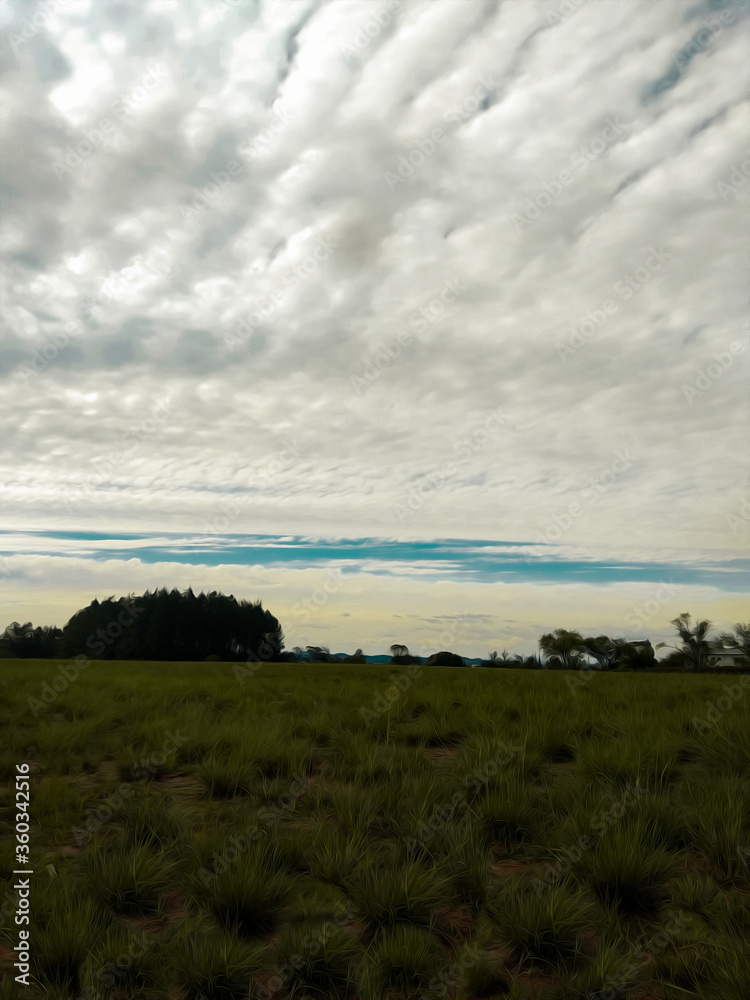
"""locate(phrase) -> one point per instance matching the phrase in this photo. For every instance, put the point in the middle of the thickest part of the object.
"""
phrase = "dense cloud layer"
(436, 268)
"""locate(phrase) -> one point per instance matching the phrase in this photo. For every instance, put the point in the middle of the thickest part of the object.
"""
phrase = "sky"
(422, 321)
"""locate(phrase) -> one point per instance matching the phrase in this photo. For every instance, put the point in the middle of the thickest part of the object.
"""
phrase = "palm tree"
(564, 648)
(695, 644)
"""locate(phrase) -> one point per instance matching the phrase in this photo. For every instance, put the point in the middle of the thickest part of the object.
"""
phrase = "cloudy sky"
(421, 320)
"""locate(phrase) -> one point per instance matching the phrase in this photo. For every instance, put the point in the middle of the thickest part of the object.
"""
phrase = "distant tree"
(694, 646)
(635, 655)
(169, 625)
(502, 660)
(319, 654)
(563, 649)
(400, 655)
(287, 656)
(358, 657)
(444, 659)
(27, 642)
(603, 650)
(741, 636)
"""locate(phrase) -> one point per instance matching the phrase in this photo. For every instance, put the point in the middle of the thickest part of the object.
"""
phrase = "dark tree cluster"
(170, 625)
(159, 625)
(27, 642)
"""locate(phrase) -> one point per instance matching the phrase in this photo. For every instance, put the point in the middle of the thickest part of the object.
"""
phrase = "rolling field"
(376, 832)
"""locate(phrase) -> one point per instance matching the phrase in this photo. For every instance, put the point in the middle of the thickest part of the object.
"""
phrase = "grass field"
(321, 831)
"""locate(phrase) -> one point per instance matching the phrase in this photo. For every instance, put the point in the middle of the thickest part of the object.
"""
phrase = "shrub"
(397, 893)
(319, 960)
(211, 966)
(545, 928)
(406, 963)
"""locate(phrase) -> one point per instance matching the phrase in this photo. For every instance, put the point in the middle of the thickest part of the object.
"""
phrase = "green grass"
(405, 964)
(319, 960)
(248, 897)
(127, 881)
(544, 931)
(389, 891)
(207, 965)
(493, 834)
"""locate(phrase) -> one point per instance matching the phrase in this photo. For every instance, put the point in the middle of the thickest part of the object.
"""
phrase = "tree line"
(158, 625)
(171, 625)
